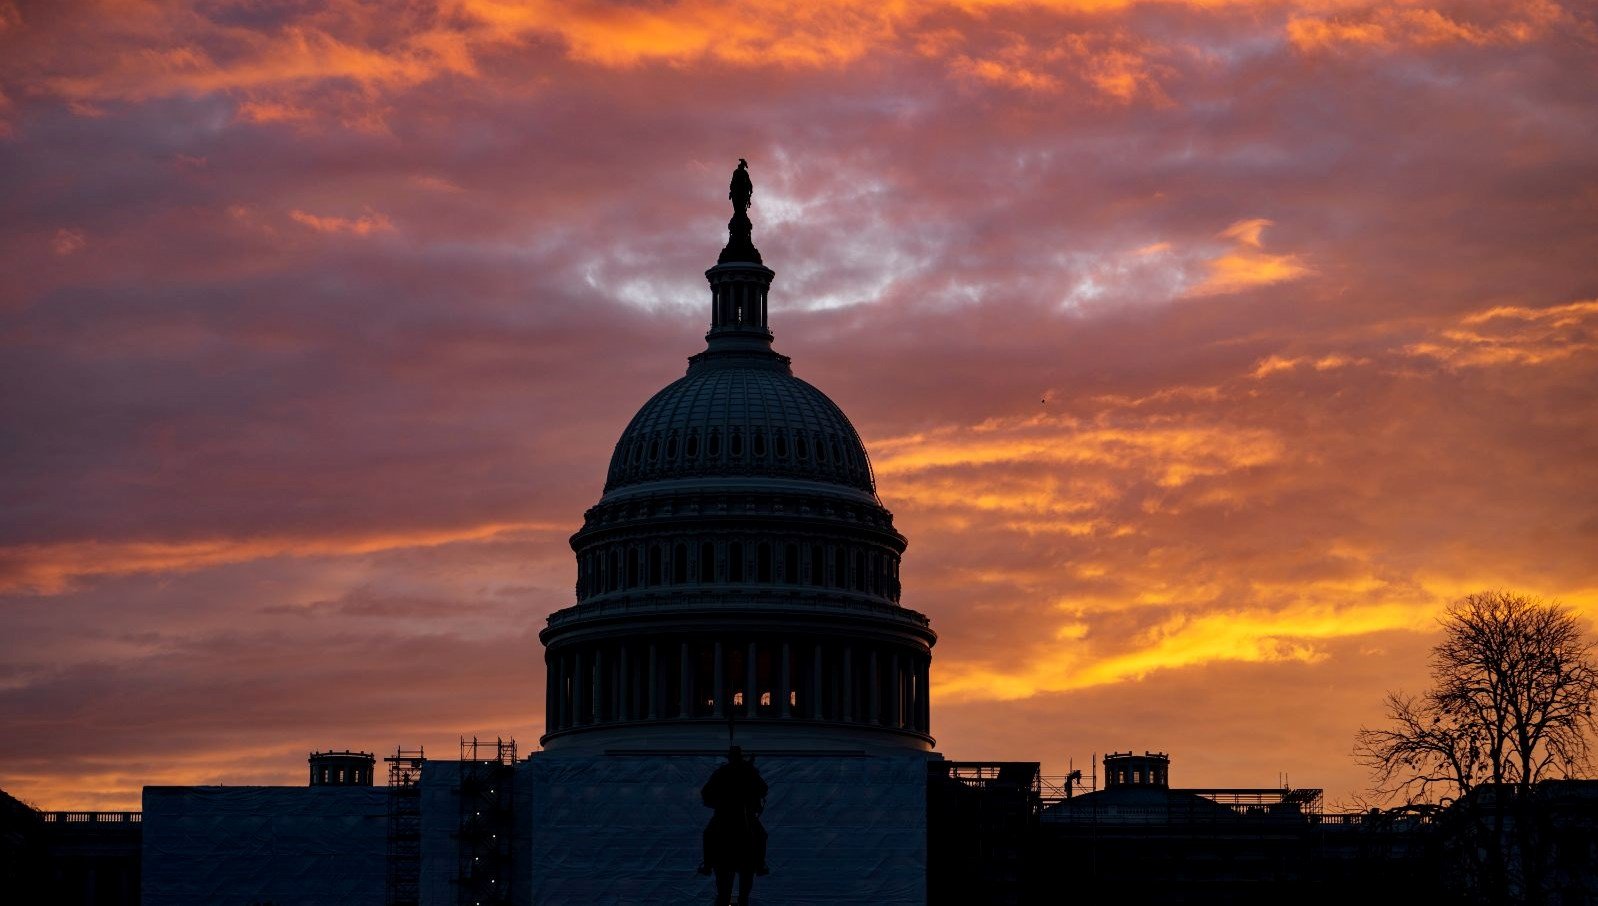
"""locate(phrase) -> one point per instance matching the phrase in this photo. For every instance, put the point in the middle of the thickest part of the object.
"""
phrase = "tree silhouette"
(1512, 703)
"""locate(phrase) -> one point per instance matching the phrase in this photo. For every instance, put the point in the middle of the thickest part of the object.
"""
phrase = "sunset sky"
(1204, 350)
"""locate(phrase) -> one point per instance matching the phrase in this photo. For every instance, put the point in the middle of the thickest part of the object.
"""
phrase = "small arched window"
(801, 447)
(691, 446)
(671, 447)
(679, 563)
(818, 565)
(790, 563)
(763, 563)
(840, 567)
(735, 444)
(735, 562)
(714, 446)
(760, 444)
(632, 567)
(707, 562)
(654, 564)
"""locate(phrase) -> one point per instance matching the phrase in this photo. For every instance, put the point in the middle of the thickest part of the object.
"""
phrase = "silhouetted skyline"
(1203, 354)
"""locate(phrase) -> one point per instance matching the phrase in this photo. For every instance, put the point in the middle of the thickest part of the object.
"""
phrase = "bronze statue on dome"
(742, 189)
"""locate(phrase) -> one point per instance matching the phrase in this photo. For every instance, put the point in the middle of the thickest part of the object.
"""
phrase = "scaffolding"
(484, 835)
(405, 826)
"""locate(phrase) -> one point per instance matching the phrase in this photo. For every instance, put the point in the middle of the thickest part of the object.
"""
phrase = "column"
(752, 694)
(875, 715)
(623, 691)
(652, 685)
(785, 683)
(815, 687)
(896, 700)
(848, 683)
(580, 679)
(563, 700)
(551, 678)
(601, 687)
(685, 691)
(721, 685)
(924, 711)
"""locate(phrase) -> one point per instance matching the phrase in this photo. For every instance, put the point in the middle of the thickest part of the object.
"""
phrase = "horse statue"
(734, 840)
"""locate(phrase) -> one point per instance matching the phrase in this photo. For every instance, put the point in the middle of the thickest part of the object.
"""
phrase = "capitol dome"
(738, 573)
(740, 418)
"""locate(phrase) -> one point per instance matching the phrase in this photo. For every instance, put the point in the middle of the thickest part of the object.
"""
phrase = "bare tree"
(1514, 689)
(1512, 701)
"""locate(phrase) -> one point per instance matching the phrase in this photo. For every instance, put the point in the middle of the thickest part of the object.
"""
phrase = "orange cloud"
(1515, 335)
(54, 568)
(1247, 265)
(1387, 26)
(1194, 637)
(364, 225)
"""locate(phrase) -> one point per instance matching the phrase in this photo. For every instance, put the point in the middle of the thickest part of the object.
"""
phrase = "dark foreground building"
(737, 583)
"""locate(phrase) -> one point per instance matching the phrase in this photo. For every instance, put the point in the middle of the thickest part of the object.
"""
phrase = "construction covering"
(288, 846)
(615, 829)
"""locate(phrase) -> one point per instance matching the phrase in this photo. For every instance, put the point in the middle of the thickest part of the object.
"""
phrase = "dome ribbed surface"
(740, 421)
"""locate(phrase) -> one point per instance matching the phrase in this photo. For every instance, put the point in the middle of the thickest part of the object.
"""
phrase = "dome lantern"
(739, 283)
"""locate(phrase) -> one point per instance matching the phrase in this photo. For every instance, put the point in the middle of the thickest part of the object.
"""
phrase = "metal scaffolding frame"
(405, 826)
(485, 834)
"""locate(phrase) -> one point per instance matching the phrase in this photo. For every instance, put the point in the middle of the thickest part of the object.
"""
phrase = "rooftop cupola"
(739, 283)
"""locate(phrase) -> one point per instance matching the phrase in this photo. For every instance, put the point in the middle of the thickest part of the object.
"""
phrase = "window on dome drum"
(654, 564)
(763, 562)
(735, 444)
(800, 447)
(818, 566)
(707, 562)
(859, 570)
(782, 445)
(713, 447)
(840, 567)
(671, 447)
(654, 450)
(691, 446)
(735, 562)
(632, 567)
(679, 563)
(790, 563)
(760, 444)
(615, 568)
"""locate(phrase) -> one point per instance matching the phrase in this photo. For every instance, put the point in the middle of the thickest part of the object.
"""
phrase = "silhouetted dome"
(739, 565)
(747, 417)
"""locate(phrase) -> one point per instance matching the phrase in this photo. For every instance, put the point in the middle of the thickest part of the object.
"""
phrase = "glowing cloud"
(1248, 265)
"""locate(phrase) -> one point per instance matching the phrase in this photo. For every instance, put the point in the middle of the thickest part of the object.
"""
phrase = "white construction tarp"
(626, 829)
